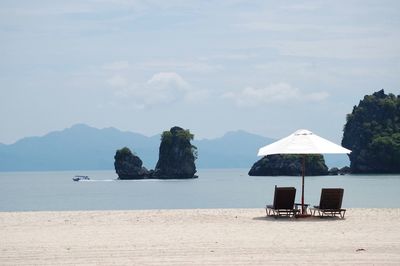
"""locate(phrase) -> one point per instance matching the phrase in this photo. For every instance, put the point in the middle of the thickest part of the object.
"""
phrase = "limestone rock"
(372, 132)
(289, 165)
(345, 170)
(333, 171)
(129, 166)
(177, 155)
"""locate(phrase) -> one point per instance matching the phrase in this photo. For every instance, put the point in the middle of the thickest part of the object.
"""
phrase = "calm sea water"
(225, 188)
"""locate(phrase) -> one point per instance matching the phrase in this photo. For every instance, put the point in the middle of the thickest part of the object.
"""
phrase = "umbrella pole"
(302, 183)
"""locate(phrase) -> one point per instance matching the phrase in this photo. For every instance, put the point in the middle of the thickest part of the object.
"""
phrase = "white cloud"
(274, 93)
(167, 80)
(161, 88)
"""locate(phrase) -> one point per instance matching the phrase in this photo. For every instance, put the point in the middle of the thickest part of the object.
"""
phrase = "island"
(372, 132)
(289, 165)
(176, 158)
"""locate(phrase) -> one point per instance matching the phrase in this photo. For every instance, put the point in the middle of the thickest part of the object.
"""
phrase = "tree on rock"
(289, 165)
(177, 155)
(372, 132)
(129, 166)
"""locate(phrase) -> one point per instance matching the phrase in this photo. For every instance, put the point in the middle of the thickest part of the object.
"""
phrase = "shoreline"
(199, 237)
(172, 209)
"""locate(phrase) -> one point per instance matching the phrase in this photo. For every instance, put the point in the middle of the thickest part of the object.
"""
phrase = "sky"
(266, 67)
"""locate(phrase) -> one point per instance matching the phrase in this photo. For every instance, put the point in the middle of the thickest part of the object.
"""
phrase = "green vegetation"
(290, 165)
(177, 154)
(182, 133)
(372, 132)
(185, 134)
(166, 136)
(313, 161)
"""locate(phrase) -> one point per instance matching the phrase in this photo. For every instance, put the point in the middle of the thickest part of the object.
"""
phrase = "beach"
(198, 237)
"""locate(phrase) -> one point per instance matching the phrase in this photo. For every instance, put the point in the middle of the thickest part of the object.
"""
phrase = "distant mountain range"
(82, 147)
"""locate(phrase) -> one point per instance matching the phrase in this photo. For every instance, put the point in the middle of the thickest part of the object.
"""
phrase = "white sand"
(197, 237)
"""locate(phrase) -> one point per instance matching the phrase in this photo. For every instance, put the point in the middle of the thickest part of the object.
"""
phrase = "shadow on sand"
(294, 219)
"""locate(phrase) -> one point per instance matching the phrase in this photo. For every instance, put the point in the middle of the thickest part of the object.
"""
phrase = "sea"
(214, 188)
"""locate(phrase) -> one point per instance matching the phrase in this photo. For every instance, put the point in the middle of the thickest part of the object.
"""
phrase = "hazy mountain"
(79, 147)
(236, 149)
(86, 148)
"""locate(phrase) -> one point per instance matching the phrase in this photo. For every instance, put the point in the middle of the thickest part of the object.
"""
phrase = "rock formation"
(129, 166)
(177, 155)
(333, 171)
(289, 165)
(372, 132)
(345, 170)
(176, 158)
(342, 171)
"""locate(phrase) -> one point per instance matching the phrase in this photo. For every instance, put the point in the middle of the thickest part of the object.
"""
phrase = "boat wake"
(100, 180)
(85, 178)
(97, 180)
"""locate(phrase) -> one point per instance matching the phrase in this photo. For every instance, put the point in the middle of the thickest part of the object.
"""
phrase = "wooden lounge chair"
(330, 203)
(283, 202)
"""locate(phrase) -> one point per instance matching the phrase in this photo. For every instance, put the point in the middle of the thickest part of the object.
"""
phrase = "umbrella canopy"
(302, 142)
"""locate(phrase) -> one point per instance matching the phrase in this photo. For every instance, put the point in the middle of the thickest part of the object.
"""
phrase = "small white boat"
(80, 177)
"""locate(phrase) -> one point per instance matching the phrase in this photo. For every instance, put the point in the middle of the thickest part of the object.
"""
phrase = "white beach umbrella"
(302, 142)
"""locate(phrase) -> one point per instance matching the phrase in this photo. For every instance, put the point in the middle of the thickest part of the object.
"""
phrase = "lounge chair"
(283, 202)
(330, 203)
